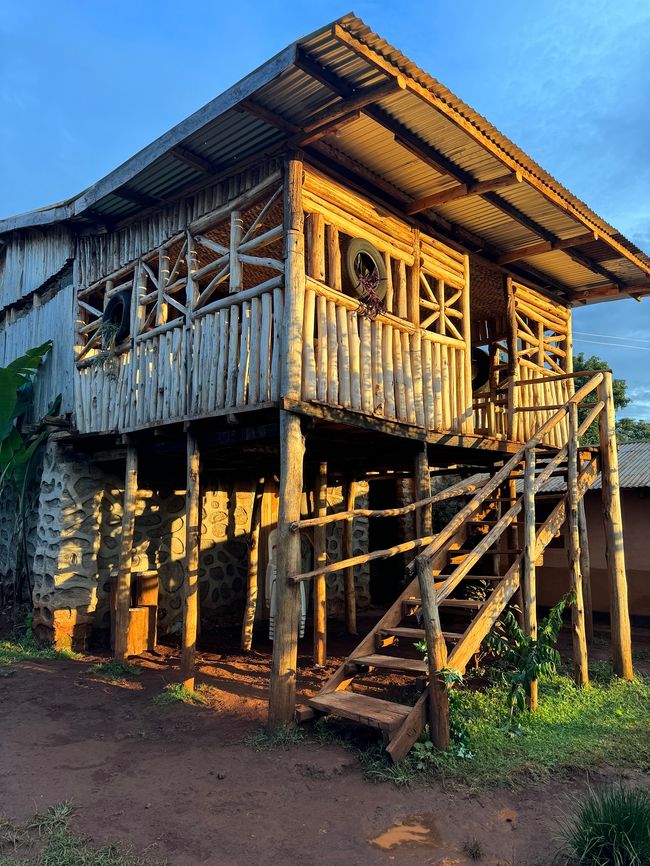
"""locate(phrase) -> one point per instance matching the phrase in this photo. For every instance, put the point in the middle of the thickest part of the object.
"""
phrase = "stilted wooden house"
(331, 284)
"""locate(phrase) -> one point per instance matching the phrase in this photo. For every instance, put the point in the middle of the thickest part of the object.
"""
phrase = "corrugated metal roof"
(226, 132)
(633, 470)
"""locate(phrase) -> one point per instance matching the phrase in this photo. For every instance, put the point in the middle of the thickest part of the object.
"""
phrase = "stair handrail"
(499, 477)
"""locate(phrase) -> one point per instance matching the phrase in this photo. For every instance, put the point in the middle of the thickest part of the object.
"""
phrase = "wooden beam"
(282, 693)
(463, 190)
(138, 198)
(358, 100)
(545, 247)
(436, 655)
(423, 516)
(347, 553)
(320, 559)
(579, 636)
(200, 163)
(585, 569)
(192, 546)
(126, 554)
(253, 572)
(613, 521)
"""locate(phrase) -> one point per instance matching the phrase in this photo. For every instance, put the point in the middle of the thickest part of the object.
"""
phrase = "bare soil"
(178, 784)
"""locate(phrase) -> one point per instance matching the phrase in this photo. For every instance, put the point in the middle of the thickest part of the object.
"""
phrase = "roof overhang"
(357, 105)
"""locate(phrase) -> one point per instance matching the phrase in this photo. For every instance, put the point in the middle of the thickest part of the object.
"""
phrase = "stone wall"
(74, 548)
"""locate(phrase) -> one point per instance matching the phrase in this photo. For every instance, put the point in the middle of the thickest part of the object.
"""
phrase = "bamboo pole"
(585, 568)
(282, 693)
(192, 540)
(513, 359)
(613, 521)
(436, 656)
(423, 516)
(348, 543)
(126, 554)
(253, 572)
(579, 636)
(320, 558)
(529, 560)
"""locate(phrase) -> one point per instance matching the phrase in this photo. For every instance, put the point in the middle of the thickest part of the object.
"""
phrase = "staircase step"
(418, 633)
(385, 715)
(389, 663)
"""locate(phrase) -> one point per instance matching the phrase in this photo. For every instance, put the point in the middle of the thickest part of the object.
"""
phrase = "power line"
(613, 337)
(618, 345)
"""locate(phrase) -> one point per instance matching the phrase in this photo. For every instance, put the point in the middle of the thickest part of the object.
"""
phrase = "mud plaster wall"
(335, 581)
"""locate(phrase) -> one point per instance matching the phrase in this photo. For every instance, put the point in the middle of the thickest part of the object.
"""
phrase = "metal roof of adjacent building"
(416, 139)
(633, 469)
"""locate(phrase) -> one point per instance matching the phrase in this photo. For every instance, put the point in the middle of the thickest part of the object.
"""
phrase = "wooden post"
(253, 573)
(126, 554)
(320, 558)
(513, 360)
(282, 692)
(191, 588)
(282, 696)
(436, 656)
(580, 664)
(529, 590)
(348, 550)
(423, 516)
(613, 520)
(585, 569)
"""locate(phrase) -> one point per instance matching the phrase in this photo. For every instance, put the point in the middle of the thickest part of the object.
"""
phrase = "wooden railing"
(384, 366)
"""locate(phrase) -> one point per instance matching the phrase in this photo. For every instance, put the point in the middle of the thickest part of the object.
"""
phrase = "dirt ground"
(178, 784)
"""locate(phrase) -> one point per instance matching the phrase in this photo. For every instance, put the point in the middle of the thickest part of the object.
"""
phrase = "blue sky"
(84, 85)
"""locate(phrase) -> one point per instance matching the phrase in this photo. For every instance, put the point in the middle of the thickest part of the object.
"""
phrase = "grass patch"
(572, 729)
(27, 648)
(283, 737)
(47, 840)
(610, 828)
(177, 693)
(115, 670)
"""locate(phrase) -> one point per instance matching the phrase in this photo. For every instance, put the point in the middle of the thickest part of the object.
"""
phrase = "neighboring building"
(634, 481)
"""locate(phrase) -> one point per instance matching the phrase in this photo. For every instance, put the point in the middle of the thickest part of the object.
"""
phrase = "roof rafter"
(463, 190)
(546, 247)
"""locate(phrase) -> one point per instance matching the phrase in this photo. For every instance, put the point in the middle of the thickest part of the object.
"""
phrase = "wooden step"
(389, 663)
(385, 715)
(418, 633)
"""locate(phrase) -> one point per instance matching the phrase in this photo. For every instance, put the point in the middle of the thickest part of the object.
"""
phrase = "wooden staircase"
(483, 547)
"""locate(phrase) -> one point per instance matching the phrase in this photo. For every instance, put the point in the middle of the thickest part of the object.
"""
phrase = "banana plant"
(18, 445)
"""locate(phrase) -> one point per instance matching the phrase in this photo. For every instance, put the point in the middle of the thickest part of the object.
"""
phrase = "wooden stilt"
(253, 572)
(436, 656)
(424, 521)
(585, 569)
(282, 696)
(348, 546)
(580, 664)
(529, 590)
(126, 554)
(613, 520)
(320, 558)
(191, 588)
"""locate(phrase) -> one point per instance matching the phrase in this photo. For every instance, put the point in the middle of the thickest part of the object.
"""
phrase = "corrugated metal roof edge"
(76, 205)
(357, 28)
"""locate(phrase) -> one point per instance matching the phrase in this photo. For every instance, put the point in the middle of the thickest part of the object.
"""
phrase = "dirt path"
(178, 784)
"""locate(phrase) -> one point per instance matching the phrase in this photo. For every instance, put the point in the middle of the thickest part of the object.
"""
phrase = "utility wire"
(612, 337)
(618, 345)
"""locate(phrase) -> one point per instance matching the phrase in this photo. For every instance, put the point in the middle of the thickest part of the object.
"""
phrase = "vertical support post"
(423, 517)
(236, 232)
(163, 278)
(320, 559)
(613, 521)
(513, 360)
(282, 696)
(126, 554)
(436, 656)
(530, 557)
(348, 575)
(585, 569)
(253, 569)
(191, 588)
(466, 323)
(282, 693)
(579, 637)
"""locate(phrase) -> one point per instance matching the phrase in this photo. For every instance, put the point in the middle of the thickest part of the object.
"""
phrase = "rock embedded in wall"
(335, 580)
(66, 546)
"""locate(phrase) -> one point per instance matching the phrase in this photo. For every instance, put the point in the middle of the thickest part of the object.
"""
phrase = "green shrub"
(610, 828)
